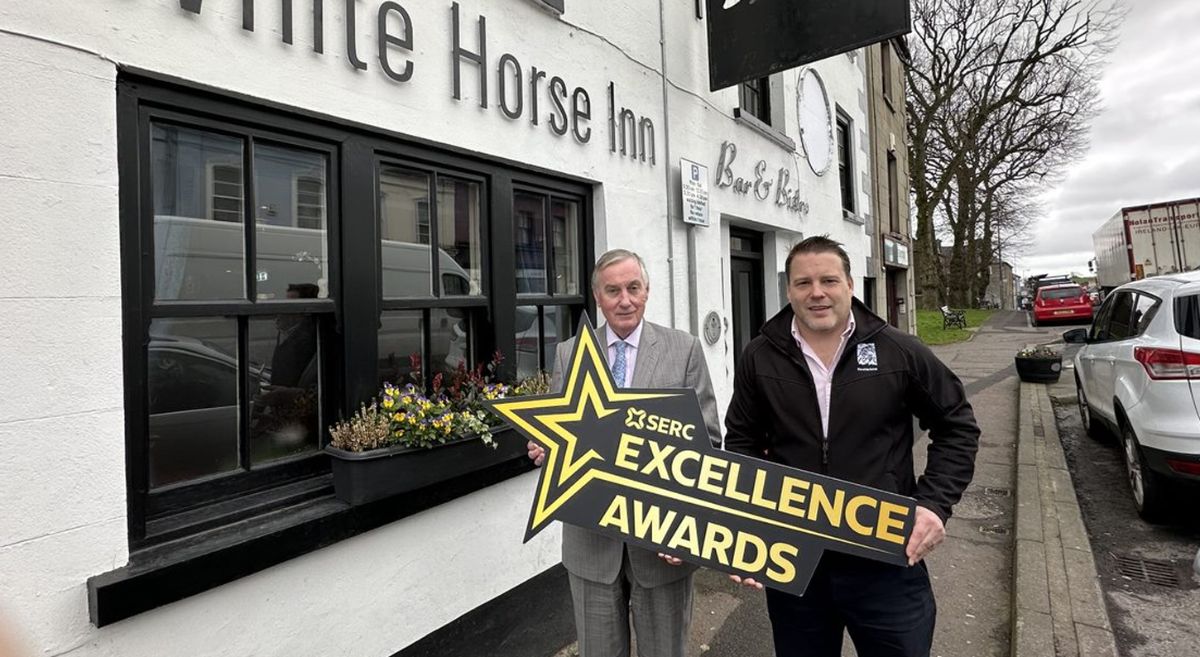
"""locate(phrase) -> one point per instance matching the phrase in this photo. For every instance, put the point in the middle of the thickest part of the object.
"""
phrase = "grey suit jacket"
(666, 358)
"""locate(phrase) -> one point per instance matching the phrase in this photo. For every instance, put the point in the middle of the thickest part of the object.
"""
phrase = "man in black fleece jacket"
(829, 387)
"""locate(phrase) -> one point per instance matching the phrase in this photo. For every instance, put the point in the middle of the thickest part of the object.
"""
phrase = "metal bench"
(953, 318)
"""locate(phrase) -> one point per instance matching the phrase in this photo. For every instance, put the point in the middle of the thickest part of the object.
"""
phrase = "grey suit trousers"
(609, 577)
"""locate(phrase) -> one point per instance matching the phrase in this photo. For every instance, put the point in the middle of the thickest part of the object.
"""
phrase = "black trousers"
(888, 610)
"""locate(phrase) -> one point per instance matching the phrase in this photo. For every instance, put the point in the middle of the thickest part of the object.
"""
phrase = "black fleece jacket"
(884, 378)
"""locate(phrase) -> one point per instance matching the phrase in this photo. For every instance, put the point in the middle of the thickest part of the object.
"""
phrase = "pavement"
(1015, 576)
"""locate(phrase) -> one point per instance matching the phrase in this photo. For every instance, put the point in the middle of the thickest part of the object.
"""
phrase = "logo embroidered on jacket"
(867, 358)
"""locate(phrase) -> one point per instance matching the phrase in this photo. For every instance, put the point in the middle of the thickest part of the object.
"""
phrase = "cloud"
(1145, 142)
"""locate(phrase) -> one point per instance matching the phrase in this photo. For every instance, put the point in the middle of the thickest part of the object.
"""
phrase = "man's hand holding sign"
(638, 465)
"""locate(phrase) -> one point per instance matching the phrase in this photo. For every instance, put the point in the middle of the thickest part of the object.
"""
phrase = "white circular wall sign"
(816, 121)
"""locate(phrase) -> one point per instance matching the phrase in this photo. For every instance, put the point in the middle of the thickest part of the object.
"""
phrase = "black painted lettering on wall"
(646, 126)
(534, 76)
(459, 53)
(287, 22)
(558, 94)
(505, 60)
(387, 39)
(612, 118)
(633, 131)
(581, 110)
(626, 118)
(352, 37)
(319, 26)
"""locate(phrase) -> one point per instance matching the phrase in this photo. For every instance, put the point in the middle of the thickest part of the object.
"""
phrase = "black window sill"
(758, 125)
(171, 571)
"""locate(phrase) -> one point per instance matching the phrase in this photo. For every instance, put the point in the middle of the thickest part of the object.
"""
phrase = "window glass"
(1119, 326)
(559, 327)
(199, 242)
(1187, 316)
(1100, 324)
(528, 338)
(192, 381)
(290, 229)
(459, 236)
(754, 98)
(564, 216)
(1062, 293)
(1143, 312)
(529, 233)
(284, 407)
(401, 348)
(450, 339)
(845, 167)
(405, 232)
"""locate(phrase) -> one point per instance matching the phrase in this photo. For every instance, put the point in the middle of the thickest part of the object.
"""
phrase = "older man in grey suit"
(609, 577)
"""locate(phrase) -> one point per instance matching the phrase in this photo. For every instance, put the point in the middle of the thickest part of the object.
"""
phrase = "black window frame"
(177, 509)
(885, 72)
(844, 142)
(754, 98)
(893, 178)
(578, 303)
(349, 317)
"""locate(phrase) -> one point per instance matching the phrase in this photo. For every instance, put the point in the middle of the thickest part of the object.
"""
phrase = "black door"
(746, 274)
(893, 297)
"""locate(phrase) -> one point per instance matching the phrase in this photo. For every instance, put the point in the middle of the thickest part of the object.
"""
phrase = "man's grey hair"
(611, 258)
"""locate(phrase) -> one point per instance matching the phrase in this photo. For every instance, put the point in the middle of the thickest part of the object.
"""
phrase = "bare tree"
(1000, 93)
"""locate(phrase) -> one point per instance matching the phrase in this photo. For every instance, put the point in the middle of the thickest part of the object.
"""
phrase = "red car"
(1062, 303)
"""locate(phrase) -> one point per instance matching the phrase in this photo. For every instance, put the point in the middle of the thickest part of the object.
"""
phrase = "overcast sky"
(1145, 143)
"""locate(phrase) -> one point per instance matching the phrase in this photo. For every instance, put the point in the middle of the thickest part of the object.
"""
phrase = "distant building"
(1002, 287)
(889, 285)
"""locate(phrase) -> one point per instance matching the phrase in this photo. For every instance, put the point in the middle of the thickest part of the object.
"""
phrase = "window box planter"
(1038, 369)
(362, 477)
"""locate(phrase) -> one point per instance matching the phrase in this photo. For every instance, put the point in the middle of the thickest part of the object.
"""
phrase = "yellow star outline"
(589, 384)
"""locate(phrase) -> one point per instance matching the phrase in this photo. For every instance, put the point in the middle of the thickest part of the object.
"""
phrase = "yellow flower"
(406, 399)
(388, 402)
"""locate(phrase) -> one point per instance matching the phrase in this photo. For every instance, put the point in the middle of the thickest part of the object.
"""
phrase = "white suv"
(1138, 375)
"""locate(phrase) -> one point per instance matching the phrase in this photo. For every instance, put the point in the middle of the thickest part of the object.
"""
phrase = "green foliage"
(929, 326)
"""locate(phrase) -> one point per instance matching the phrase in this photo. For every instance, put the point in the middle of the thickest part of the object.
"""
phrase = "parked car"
(1137, 376)
(1068, 302)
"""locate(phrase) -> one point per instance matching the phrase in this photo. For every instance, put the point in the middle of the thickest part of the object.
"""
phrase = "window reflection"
(192, 382)
(405, 233)
(284, 407)
(450, 339)
(529, 234)
(399, 342)
(199, 244)
(290, 230)
(564, 217)
(458, 236)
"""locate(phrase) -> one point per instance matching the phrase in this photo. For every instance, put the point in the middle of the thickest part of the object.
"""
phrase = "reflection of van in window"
(406, 274)
(205, 259)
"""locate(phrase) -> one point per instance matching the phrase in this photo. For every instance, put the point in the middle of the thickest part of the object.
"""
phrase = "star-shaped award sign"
(638, 465)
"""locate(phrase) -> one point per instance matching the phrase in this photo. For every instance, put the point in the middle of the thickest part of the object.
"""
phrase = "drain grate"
(999, 530)
(1162, 573)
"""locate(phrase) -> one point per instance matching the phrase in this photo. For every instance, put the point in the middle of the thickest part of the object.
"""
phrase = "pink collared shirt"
(631, 351)
(822, 376)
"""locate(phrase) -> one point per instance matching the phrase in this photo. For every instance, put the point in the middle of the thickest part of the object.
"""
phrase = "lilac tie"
(619, 364)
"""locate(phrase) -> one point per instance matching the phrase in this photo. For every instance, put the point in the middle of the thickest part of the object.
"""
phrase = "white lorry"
(1148, 240)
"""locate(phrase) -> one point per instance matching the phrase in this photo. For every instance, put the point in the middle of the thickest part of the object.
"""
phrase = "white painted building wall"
(62, 448)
